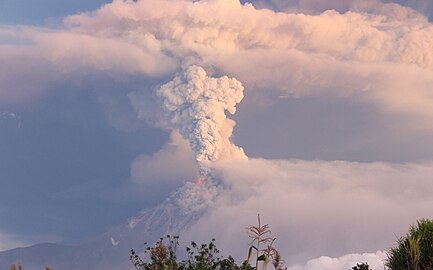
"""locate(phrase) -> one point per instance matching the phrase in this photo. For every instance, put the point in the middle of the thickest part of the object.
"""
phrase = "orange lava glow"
(200, 180)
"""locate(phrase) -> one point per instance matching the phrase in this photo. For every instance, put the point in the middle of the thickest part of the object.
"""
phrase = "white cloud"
(50, 58)
(423, 6)
(346, 262)
(317, 208)
(317, 6)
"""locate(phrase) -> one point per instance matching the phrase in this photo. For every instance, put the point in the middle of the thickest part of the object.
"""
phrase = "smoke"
(151, 172)
(317, 6)
(374, 53)
(316, 208)
(195, 104)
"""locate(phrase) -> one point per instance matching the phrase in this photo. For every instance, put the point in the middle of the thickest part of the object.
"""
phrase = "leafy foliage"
(415, 250)
(200, 257)
(206, 256)
(361, 266)
(162, 256)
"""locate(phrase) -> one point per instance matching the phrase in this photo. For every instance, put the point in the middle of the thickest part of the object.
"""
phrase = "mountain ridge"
(109, 250)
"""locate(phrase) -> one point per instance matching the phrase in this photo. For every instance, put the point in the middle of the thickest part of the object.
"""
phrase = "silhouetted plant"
(20, 267)
(16, 267)
(200, 257)
(260, 235)
(277, 261)
(361, 266)
(206, 256)
(415, 250)
(162, 256)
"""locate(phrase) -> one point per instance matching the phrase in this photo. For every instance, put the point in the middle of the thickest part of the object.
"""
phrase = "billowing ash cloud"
(375, 53)
(195, 104)
(315, 6)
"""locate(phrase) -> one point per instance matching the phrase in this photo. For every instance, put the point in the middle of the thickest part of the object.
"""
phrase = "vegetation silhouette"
(162, 255)
(415, 250)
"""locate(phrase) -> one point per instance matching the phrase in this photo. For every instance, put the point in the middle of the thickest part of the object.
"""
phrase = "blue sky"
(58, 158)
(60, 153)
(42, 11)
(84, 145)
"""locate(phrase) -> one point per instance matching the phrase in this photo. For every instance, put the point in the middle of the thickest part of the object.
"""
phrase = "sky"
(322, 106)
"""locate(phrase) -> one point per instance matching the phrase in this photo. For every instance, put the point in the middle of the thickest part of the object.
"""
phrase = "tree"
(415, 250)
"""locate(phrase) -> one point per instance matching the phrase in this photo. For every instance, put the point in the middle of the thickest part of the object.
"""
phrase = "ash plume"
(195, 104)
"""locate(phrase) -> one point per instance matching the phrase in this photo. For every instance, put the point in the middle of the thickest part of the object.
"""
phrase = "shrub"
(162, 256)
(200, 257)
(361, 266)
(206, 256)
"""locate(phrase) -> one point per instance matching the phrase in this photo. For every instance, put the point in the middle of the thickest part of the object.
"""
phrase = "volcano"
(111, 249)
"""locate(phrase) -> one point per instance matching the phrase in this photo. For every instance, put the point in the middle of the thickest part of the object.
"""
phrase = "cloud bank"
(374, 260)
(375, 53)
(317, 6)
(316, 207)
